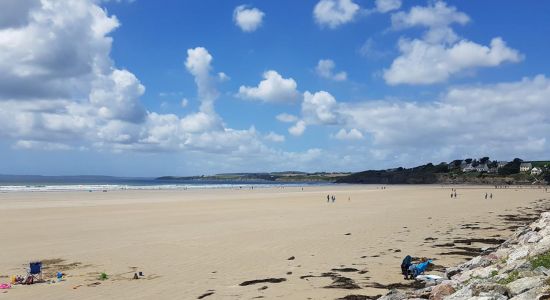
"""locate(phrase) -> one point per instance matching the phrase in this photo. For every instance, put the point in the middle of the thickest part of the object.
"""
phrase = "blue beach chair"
(34, 274)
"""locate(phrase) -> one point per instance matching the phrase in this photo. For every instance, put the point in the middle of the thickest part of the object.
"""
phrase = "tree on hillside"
(511, 167)
(484, 160)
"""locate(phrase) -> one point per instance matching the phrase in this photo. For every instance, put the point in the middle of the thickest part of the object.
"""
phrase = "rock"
(440, 291)
(476, 262)
(523, 284)
(541, 271)
(484, 272)
(541, 247)
(489, 297)
(394, 295)
(484, 288)
(517, 254)
(463, 293)
(528, 295)
(450, 272)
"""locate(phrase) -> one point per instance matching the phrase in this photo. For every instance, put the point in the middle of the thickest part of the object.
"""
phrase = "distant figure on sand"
(491, 196)
(328, 198)
(485, 195)
(333, 198)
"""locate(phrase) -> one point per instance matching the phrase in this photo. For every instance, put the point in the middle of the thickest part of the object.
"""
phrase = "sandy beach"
(209, 242)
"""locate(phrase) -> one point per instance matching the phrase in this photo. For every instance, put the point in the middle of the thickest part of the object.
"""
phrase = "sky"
(150, 88)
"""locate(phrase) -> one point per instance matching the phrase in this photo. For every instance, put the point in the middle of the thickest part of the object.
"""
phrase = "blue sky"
(96, 87)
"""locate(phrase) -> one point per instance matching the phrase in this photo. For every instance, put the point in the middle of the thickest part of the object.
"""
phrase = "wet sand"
(248, 244)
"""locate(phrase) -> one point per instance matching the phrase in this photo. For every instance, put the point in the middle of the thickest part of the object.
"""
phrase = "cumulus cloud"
(248, 19)
(286, 118)
(274, 88)
(325, 69)
(298, 128)
(441, 53)
(424, 63)
(184, 102)
(61, 90)
(436, 15)
(334, 13)
(273, 137)
(384, 6)
(319, 108)
(352, 134)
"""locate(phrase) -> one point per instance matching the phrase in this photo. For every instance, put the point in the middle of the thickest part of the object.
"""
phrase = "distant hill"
(289, 176)
(468, 171)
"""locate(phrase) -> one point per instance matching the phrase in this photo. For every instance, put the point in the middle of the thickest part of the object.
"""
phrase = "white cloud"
(441, 53)
(60, 90)
(248, 19)
(184, 102)
(286, 118)
(198, 63)
(325, 69)
(274, 88)
(273, 137)
(352, 134)
(384, 6)
(298, 128)
(223, 77)
(424, 63)
(319, 108)
(435, 15)
(486, 119)
(333, 13)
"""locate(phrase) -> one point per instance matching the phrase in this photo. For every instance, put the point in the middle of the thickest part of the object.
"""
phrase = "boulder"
(484, 272)
(450, 272)
(527, 295)
(463, 293)
(541, 247)
(518, 253)
(394, 295)
(484, 288)
(524, 284)
(541, 271)
(441, 291)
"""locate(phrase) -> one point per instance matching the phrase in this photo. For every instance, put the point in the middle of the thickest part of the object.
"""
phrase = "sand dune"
(209, 242)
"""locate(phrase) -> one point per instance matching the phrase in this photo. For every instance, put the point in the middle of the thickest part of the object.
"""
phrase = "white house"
(536, 171)
(482, 168)
(468, 168)
(525, 167)
(501, 164)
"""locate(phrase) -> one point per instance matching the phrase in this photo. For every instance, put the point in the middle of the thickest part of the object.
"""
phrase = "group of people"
(331, 197)
(490, 195)
(410, 270)
(453, 193)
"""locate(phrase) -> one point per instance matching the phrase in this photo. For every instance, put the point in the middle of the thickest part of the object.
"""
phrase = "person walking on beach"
(485, 195)
(491, 196)
(328, 198)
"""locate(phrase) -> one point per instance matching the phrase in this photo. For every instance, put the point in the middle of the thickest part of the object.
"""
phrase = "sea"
(33, 183)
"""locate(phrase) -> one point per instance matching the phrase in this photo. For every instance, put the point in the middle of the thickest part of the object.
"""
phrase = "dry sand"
(188, 243)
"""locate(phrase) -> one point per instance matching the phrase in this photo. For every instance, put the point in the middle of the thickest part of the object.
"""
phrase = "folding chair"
(34, 274)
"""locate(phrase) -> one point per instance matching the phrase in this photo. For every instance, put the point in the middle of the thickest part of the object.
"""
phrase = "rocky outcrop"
(519, 269)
